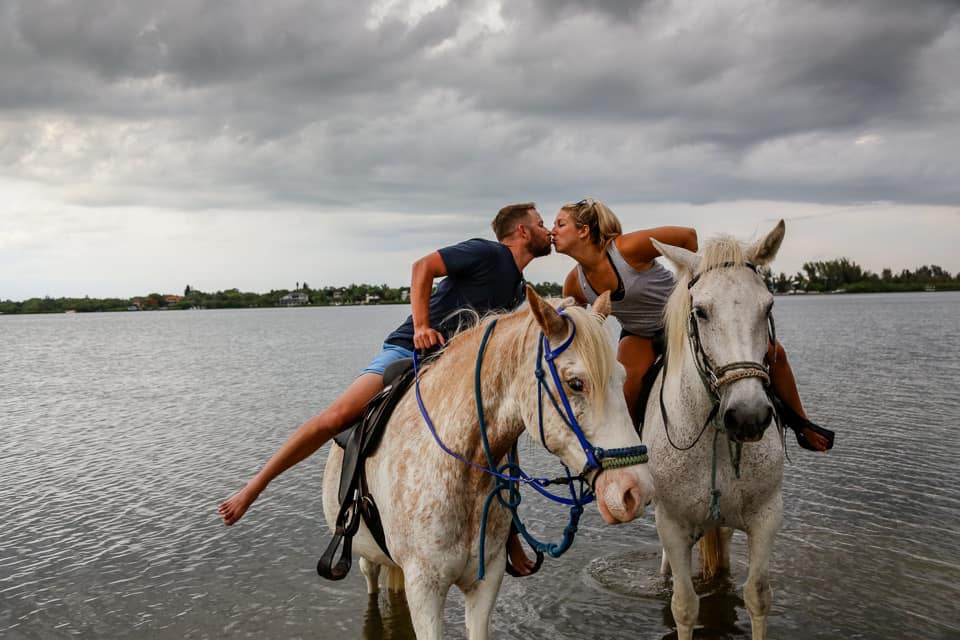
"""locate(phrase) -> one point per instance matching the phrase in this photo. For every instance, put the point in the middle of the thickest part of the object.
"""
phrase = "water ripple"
(123, 431)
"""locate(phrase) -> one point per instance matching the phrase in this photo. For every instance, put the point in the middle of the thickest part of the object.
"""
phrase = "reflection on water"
(121, 433)
(719, 605)
(387, 617)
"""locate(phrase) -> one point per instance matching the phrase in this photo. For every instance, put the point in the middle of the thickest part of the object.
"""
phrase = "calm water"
(119, 434)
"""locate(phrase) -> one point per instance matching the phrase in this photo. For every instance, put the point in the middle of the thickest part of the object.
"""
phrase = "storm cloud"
(454, 108)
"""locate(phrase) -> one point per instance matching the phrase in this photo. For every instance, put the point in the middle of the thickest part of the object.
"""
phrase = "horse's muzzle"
(623, 494)
(746, 421)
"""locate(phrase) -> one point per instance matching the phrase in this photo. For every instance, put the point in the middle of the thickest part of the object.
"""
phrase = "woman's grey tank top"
(640, 309)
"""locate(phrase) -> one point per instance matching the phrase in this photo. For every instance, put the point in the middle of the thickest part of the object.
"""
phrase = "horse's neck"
(686, 396)
(508, 376)
(505, 360)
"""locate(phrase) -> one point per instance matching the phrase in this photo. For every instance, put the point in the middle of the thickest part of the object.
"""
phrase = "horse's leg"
(757, 594)
(480, 598)
(677, 544)
(726, 534)
(371, 571)
(394, 579)
(664, 562)
(426, 593)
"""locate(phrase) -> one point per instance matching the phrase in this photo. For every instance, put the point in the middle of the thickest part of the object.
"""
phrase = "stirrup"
(516, 574)
(798, 423)
(802, 439)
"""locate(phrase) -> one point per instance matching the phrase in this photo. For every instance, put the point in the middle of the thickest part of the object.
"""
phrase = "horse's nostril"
(631, 501)
(767, 416)
(730, 419)
(747, 422)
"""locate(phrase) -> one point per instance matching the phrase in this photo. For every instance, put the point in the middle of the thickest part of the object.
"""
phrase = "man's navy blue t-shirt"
(481, 275)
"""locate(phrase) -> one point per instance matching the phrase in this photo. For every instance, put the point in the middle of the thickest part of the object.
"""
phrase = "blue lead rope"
(510, 476)
(433, 430)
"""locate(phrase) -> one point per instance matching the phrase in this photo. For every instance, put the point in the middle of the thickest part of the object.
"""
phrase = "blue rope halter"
(510, 475)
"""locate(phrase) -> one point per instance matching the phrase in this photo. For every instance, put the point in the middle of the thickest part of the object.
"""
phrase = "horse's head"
(721, 309)
(590, 400)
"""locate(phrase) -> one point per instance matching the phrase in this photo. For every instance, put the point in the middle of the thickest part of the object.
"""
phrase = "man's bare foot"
(233, 508)
(518, 557)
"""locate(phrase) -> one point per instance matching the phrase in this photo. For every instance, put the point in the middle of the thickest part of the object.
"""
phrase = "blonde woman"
(624, 264)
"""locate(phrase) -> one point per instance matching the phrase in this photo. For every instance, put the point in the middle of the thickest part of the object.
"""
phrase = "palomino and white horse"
(431, 504)
(712, 479)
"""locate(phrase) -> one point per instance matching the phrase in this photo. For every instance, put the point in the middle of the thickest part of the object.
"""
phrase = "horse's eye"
(700, 313)
(575, 384)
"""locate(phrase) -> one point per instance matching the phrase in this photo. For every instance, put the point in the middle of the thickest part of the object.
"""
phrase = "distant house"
(405, 294)
(173, 299)
(371, 297)
(294, 299)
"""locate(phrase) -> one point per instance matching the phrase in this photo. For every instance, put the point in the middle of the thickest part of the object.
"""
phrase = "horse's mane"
(720, 251)
(591, 344)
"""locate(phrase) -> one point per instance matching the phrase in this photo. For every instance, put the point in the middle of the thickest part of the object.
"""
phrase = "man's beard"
(539, 249)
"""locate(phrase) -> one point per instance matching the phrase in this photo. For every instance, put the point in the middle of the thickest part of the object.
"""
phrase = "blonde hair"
(598, 217)
(721, 251)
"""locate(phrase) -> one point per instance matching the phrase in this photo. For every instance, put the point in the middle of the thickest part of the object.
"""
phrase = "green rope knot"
(616, 463)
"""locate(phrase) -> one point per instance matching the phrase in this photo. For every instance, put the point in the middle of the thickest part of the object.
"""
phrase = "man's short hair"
(509, 217)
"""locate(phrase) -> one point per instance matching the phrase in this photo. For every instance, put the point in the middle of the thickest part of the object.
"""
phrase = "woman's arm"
(637, 249)
(571, 287)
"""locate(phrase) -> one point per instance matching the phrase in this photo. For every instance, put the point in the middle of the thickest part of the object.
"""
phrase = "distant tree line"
(822, 276)
(847, 276)
(59, 305)
(193, 298)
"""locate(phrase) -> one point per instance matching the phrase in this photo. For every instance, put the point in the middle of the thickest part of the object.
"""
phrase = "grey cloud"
(612, 9)
(190, 105)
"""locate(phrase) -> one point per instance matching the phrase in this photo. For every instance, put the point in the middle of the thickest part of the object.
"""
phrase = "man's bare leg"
(310, 436)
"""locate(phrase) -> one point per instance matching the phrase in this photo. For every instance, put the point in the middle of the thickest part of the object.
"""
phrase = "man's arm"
(425, 270)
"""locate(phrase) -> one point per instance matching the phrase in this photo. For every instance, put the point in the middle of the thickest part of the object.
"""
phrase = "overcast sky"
(149, 145)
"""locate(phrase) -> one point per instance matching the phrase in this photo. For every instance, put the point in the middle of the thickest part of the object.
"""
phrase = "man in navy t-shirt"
(480, 274)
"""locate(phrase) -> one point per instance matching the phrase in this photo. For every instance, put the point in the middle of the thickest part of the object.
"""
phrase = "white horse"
(431, 504)
(713, 479)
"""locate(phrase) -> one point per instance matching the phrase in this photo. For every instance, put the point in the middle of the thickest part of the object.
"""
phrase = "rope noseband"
(714, 379)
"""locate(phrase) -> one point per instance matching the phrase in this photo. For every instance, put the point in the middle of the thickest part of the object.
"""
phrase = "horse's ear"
(601, 306)
(765, 250)
(552, 324)
(685, 260)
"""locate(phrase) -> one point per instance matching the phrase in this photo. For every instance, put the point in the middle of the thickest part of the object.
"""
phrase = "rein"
(510, 475)
(714, 379)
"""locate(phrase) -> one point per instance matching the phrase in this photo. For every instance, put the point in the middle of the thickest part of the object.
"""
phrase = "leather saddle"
(358, 443)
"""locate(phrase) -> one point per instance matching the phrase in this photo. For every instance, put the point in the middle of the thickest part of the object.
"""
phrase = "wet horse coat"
(431, 503)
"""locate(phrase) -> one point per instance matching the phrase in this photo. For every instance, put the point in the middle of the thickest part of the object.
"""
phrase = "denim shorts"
(390, 353)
